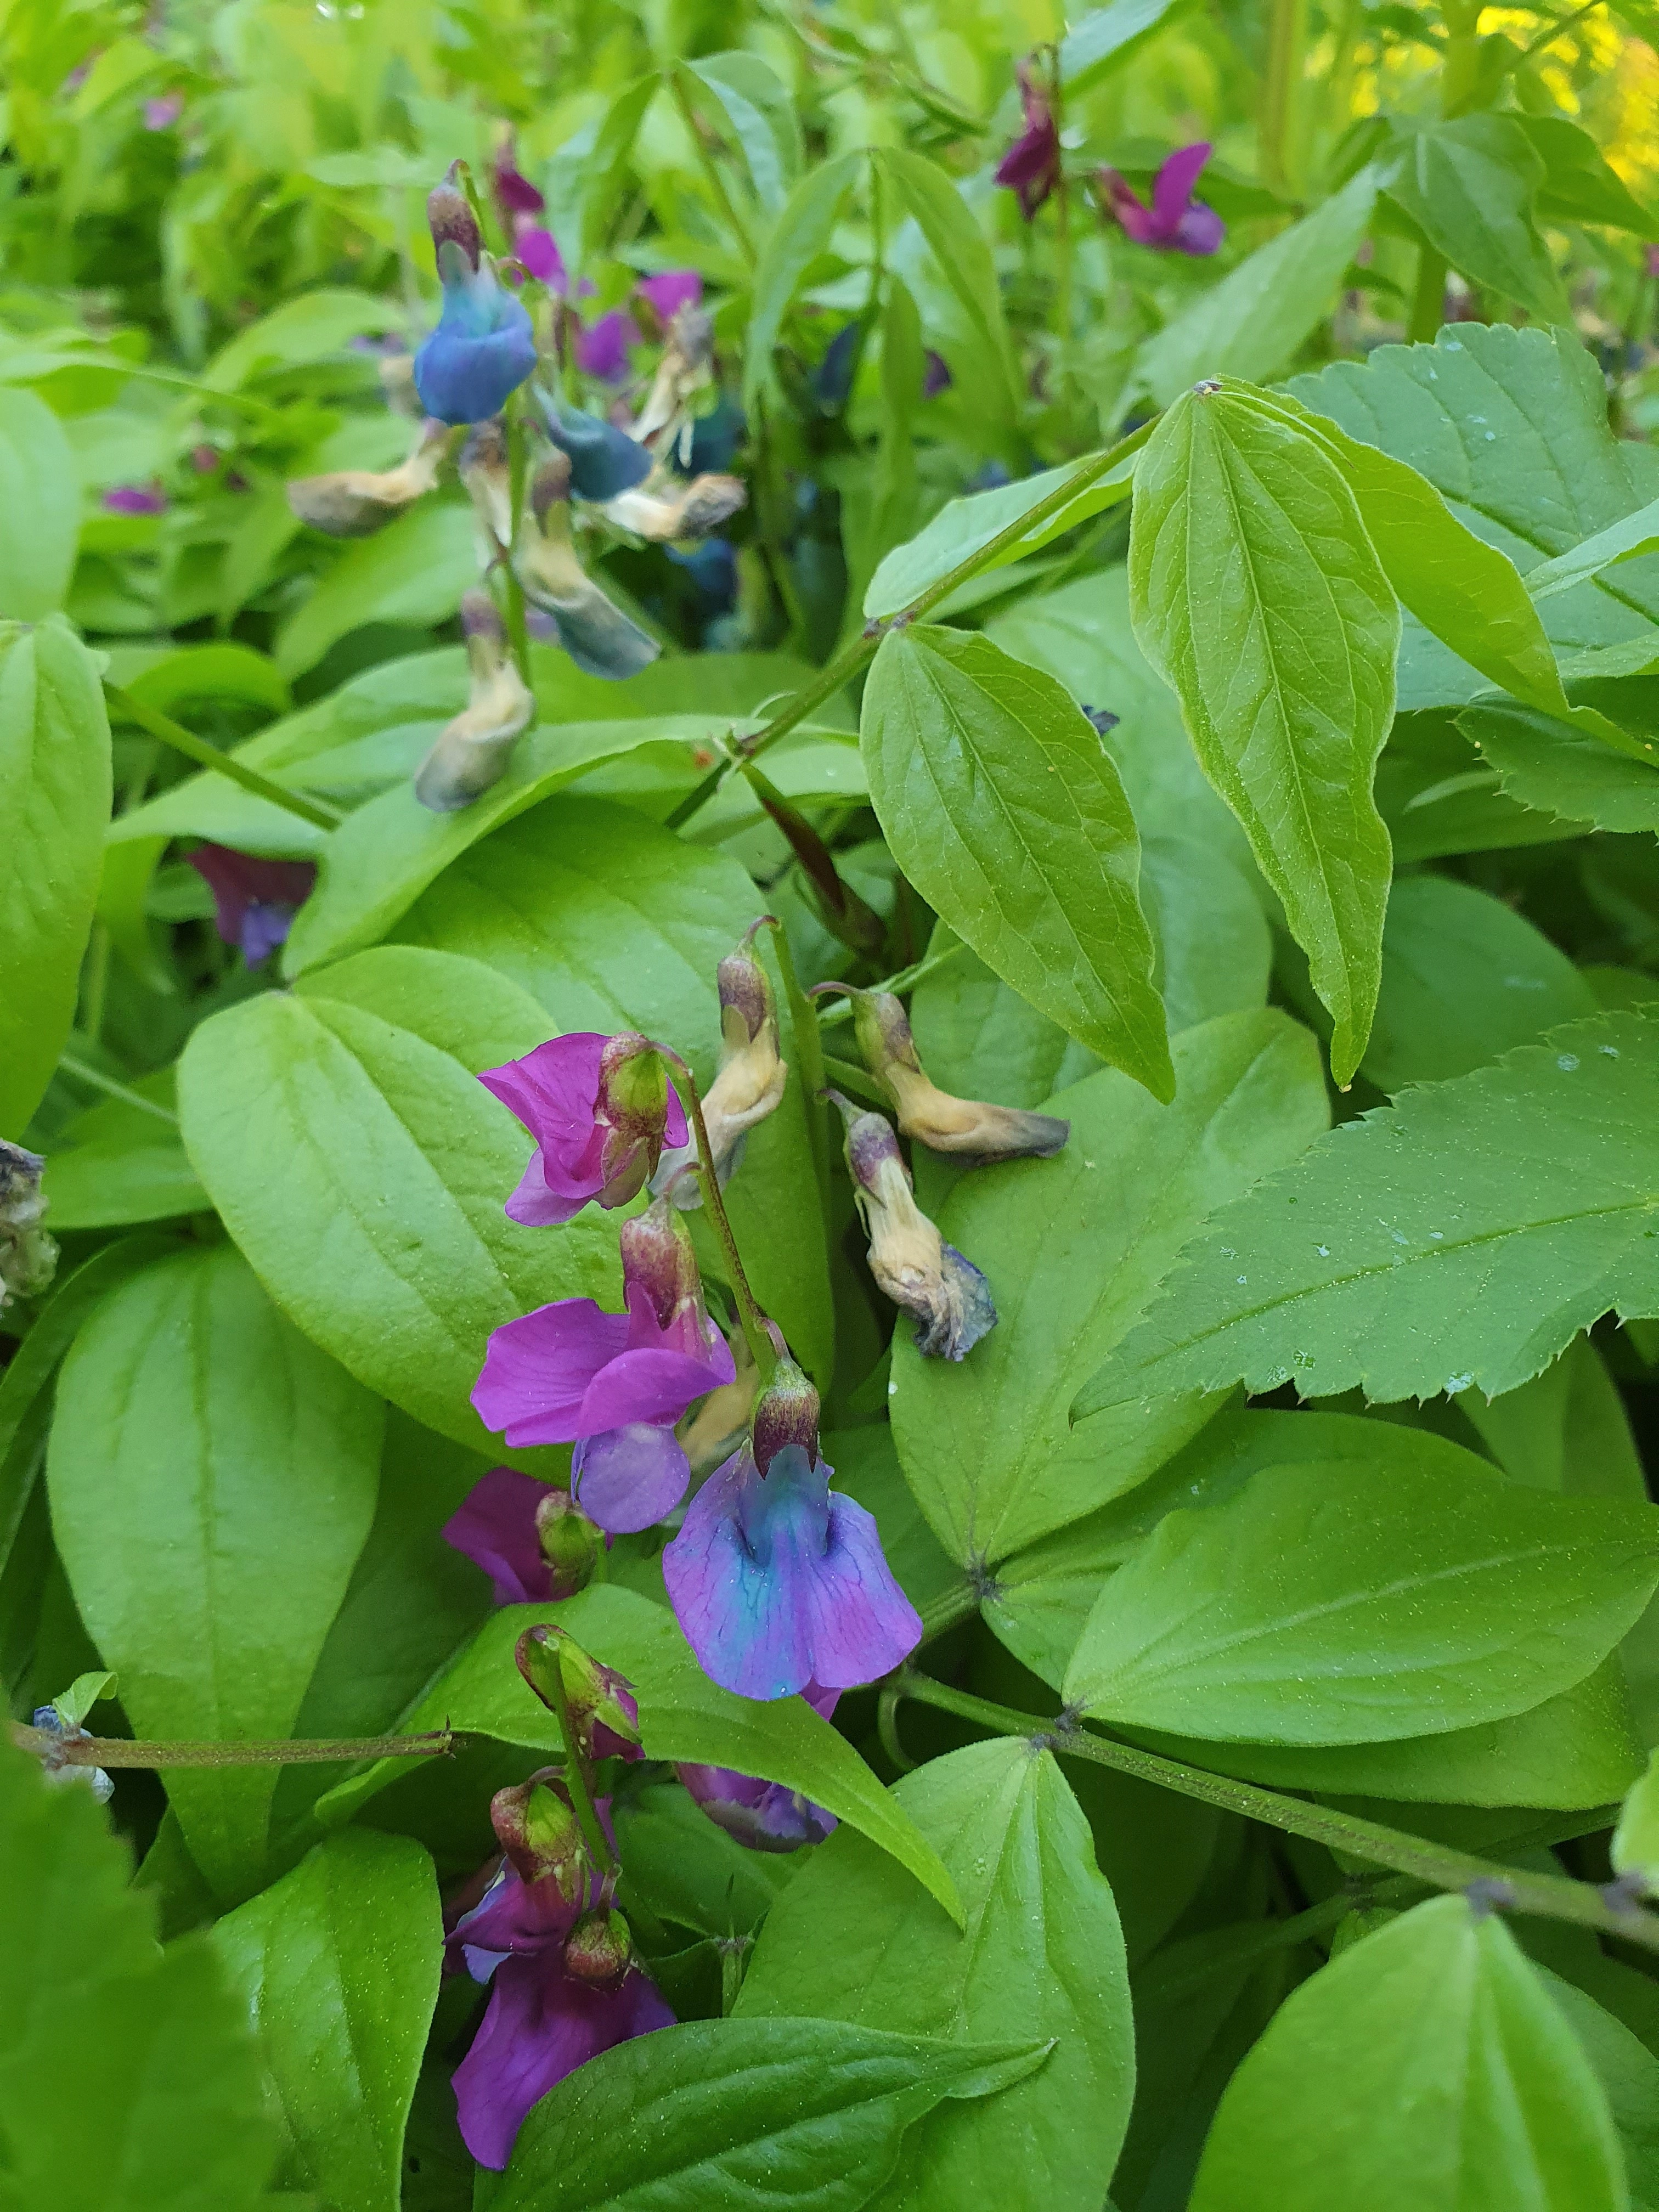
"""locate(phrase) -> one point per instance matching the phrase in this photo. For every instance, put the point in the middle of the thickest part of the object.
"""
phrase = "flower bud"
(910, 1260)
(785, 1413)
(604, 1713)
(750, 1082)
(968, 1129)
(570, 1543)
(452, 223)
(600, 1948)
(60, 1770)
(672, 510)
(631, 1106)
(28, 1256)
(540, 1834)
(599, 637)
(603, 460)
(473, 750)
(659, 1264)
(356, 502)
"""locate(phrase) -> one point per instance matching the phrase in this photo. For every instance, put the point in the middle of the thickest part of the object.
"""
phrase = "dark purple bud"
(514, 191)
(541, 1836)
(935, 375)
(135, 499)
(785, 1413)
(1102, 718)
(659, 1264)
(600, 1949)
(745, 990)
(1031, 165)
(254, 901)
(449, 214)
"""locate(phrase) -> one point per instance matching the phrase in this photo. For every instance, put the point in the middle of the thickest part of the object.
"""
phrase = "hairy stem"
(122, 1751)
(576, 1777)
(1551, 1897)
(518, 466)
(209, 755)
(852, 657)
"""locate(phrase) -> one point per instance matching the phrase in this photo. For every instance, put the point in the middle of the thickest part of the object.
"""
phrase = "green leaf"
(363, 1170)
(760, 111)
(41, 492)
(797, 2116)
(1578, 185)
(1251, 323)
(928, 194)
(412, 573)
(302, 330)
(1464, 978)
(337, 1966)
(689, 1871)
(1635, 1849)
(801, 233)
(1629, 2074)
(683, 1715)
(116, 1164)
(1441, 2074)
(223, 671)
(127, 2076)
(610, 923)
(1240, 1620)
(1464, 1235)
(1073, 1247)
(964, 526)
(1469, 185)
(1042, 1957)
(1542, 764)
(1005, 811)
(582, 178)
(1105, 38)
(54, 800)
(188, 1404)
(1620, 541)
(72, 1705)
(1257, 596)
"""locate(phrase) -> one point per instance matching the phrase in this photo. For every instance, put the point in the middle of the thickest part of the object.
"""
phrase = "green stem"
(847, 662)
(1551, 1897)
(210, 756)
(809, 1050)
(83, 1073)
(95, 983)
(858, 1081)
(956, 1602)
(1281, 92)
(906, 979)
(1062, 212)
(1429, 305)
(749, 1314)
(121, 1750)
(710, 168)
(575, 1776)
(518, 465)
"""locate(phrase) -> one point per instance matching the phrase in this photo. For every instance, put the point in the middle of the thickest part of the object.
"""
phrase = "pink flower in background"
(1031, 165)
(539, 251)
(254, 901)
(666, 294)
(1175, 220)
(604, 347)
(160, 114)
(135, 499)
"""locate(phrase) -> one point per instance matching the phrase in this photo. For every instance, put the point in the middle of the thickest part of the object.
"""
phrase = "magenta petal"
(1131, 212)
(515, 1916)
(494, 1527)
(675, 1132)
(536, 1370)
(651, 1386)
(1172, 187)
(541, 2024)
(670, 291)
(626, 1478)
(603, 348)
(1200, 230)
(553, 1089)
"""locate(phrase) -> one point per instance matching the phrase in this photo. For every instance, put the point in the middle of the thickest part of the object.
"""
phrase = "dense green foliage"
(1191, 633)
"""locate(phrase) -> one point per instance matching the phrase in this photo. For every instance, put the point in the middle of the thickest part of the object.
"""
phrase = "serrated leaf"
(798, 2116)
(1041, 1956)
(337, 1966)
(1543, 764)
(1441, 2074)
(1007, 812)
(1464, 1235)
(1072, 1246)
(683, 1715)
(1470, 1601)
(1257, 596)
(188, 1404)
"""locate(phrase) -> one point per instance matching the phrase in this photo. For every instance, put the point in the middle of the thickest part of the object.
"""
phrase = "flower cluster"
(496, 349)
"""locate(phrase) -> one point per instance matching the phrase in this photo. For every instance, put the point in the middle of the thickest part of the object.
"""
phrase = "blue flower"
(483, 347)
(603, 460)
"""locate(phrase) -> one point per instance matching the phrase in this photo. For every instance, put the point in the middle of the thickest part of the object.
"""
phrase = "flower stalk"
(756, 1335)
(320, 816)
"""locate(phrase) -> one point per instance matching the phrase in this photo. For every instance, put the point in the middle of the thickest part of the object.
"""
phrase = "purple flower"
(764, 1815)
(601, 1110)
(498, 1526)
(162, 113)
(666, 294)
(254, 901)
(778, 1580)
(538, 250)
(614, 1384)
(1175, 220)
(484, 346)
(604, 347)
(135, 499)
(935, 375)
(543, 2019)
(514, 193)
(1031, 165)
